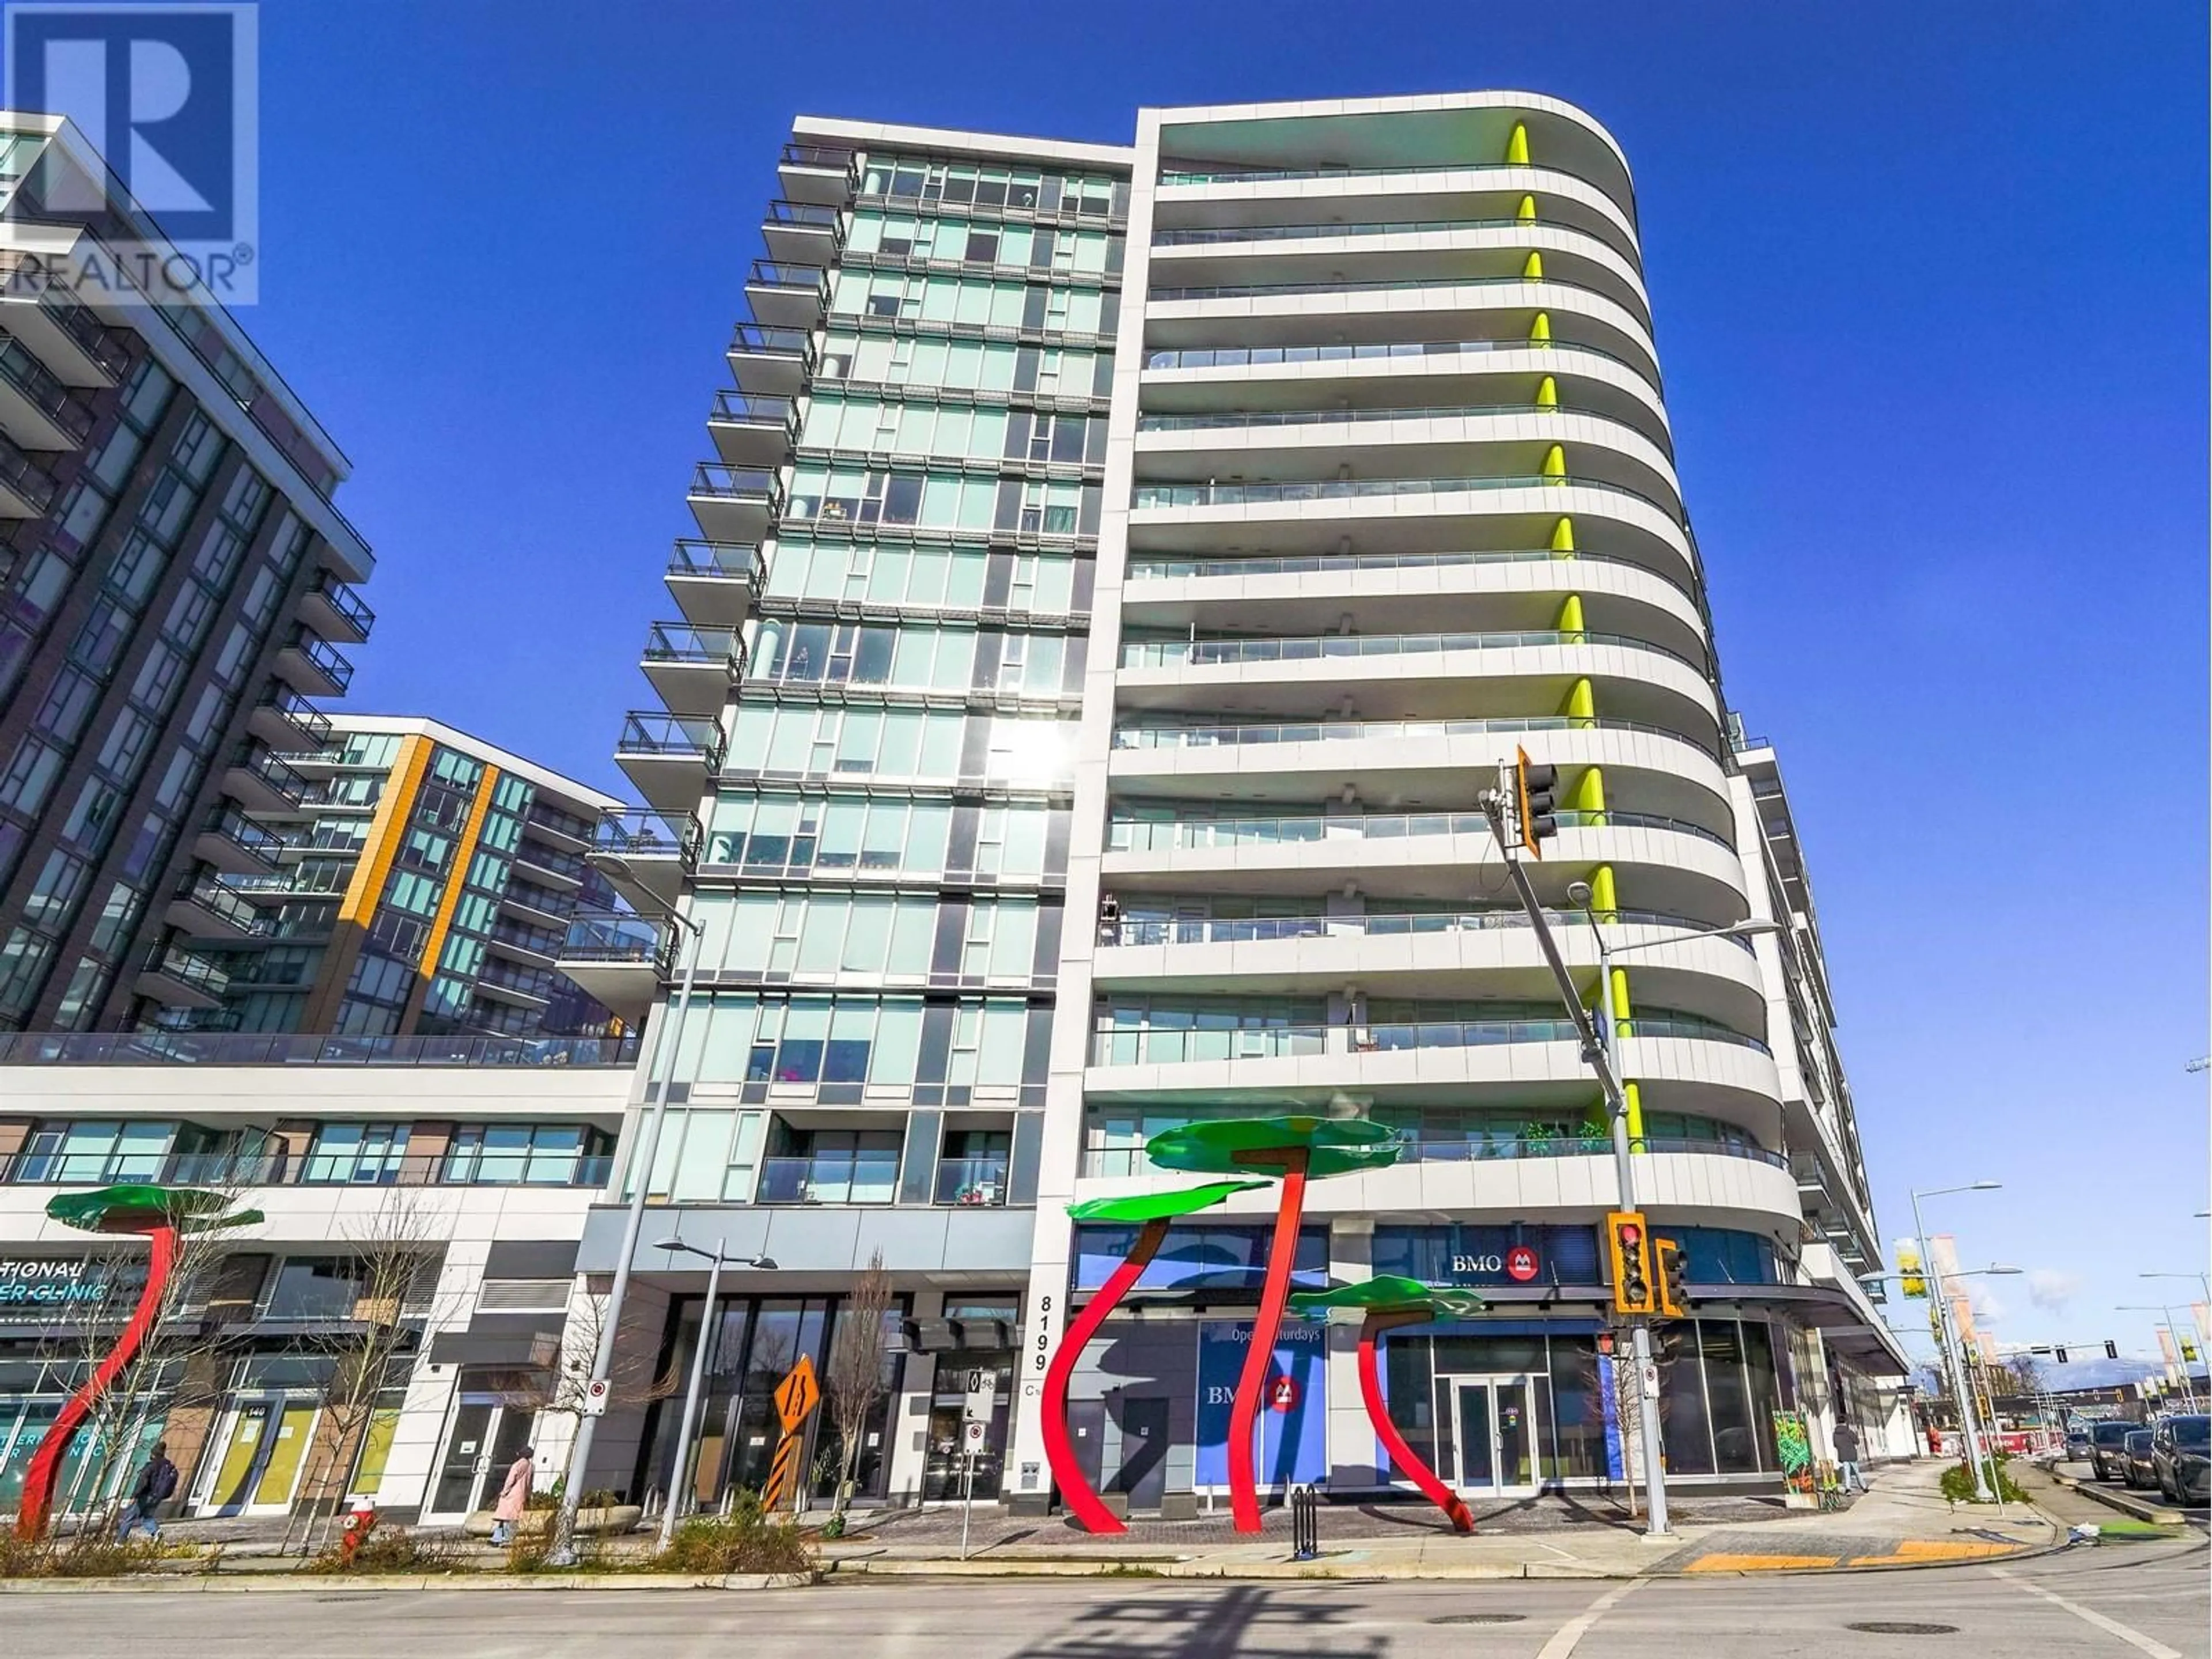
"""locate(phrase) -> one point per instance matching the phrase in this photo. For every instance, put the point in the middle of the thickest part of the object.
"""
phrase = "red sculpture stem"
(1259, 1358)
(1370, 1391)
(45, 1462)
(1090, 1513)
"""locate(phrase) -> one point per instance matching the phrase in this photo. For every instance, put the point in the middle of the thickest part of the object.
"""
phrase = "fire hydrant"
(358, 1526)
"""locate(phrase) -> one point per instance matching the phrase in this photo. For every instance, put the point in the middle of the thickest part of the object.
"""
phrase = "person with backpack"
(157, 1484)
(1847, 1457)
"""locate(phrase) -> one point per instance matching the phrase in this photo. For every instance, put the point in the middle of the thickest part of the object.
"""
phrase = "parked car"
(2136, 1461)
(2107, 1442)
(2181, 1458)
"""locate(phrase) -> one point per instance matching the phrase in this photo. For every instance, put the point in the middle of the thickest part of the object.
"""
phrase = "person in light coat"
(513, 1497)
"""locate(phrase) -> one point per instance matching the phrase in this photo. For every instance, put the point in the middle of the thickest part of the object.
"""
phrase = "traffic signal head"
(1535, 796)
(1673, 1279)
(1633, 1284)
(2111, 1349)
(2059, 1354)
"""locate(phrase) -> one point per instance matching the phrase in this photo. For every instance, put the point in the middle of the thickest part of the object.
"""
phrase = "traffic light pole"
(1597, 1040)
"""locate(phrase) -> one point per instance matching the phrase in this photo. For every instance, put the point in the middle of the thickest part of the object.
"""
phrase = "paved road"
(2110, 1603)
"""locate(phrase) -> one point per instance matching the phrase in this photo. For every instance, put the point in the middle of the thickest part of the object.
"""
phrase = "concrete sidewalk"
(1904, 1521)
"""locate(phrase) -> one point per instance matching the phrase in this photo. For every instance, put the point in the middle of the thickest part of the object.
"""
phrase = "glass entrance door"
(1493, 1434)
(486, 1437)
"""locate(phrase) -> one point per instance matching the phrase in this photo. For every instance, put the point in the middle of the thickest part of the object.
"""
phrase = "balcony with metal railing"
(817, 173)
(332, 607)
(785, 296)
(288, 722)
(752, 429)
(620, 958)
(771, 362)
(179, 978)
(261, 780)
(67, 335)
(36, 408)
(693, 668)
(202, 908)
(233, 1170)
(164, 1048)
(647, 854)
(715, 584)
(236, 844)
(803, 232)
(313, 665)
(734, 504)
(27, 488)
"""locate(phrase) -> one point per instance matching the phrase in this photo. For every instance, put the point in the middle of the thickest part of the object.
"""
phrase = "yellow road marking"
(1936, 1549)
(1727, 1563)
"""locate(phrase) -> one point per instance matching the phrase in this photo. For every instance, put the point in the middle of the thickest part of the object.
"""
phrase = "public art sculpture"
(1390, 1302)
(162, 1215)
(1289, 1150)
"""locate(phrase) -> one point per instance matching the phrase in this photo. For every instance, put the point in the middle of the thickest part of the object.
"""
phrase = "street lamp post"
(562, 1552)
(1952, 1339)
(2188, 1380)
(717, 1261)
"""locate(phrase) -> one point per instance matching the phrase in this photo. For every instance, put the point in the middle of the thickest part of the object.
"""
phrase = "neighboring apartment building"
(1152, 553)
(427, 883)
(175, 585)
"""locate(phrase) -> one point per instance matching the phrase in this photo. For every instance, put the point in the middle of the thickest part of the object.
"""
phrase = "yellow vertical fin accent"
(433, 945)
(1635, 1118)
(1555, 464)
(1603, 898)
(1588, 796)
(1563, 536)
(1540, 332)
(1571, 616)
(365, 887)
(1532, 268)
(1547, 393)
(1516, 147)
(1580, 703)
(1526, 213)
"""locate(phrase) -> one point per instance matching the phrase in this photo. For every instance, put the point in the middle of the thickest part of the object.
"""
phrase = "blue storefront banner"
(1293, 1410)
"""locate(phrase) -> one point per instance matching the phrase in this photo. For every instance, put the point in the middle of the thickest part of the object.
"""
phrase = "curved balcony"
(1386, 592)
(1673, 865)
(1406, 676)
(1399, 515)
(1428, 955)
(1193, 193)
(1424, 444)
(1174, 377)
(1263, 314)
(1360, 256)
(1412, 762)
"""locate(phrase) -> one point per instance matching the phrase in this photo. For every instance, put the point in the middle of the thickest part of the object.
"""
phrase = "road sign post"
(796, 1397)
(975, 1411)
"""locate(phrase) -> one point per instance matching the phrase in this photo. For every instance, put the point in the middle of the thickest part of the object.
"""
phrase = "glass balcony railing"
(184, 968)
(781, 274)
(713, 478)
(350, 1169)
(1143, 569)
(803, 215)
(1212, 235)
(37, 384)
(1153, 495)
(1194, 174)
(617, 936)
(29, 480)
(327, 660)
(1113, 1162)
(1231, 733)
(1245, 930)
(972, 1183)
(797, 154)
(1241, 419)
(223, 902)
(639, 832)
(743, 409)
(833, 1180)
(342, 597)
(279, 1049)
(233, 826)
(1360, 285)
(313, 725)
(1203, 653)
(1190, 835)
(651, 732)
(26, 276)
(760, 340)
(719, 561)
(684, 642)
(271, 769)
(1371, 352)
(1178, 1046)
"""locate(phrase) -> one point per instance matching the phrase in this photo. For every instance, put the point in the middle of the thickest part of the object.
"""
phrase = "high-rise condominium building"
(427, 883)
(1125, 566)
(174, 586)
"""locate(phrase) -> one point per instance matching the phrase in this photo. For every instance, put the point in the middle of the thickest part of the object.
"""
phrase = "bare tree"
(558, 1390)
(388, 1256)
(2025, 1373)
(858, 1352)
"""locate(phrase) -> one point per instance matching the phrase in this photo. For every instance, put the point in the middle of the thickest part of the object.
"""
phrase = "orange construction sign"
(782, 1476)
(798, 1394)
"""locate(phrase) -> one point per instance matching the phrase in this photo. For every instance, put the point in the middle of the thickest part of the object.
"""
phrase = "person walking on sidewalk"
(157, 1484)
(513, 1497)
(1847, 1458)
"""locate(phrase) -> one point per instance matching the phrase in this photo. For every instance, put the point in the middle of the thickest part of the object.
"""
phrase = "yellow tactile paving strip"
(1725, 1562)
(1910, 1552)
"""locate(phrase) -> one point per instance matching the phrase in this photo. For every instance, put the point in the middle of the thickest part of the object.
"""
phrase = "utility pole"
(1952, 1341)
(1598, 1055)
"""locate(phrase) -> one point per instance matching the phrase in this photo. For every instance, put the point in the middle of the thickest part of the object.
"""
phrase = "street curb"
(219, 1583)
(2140, 1509)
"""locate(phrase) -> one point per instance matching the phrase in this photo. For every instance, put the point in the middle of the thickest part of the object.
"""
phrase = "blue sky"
(1930, 290)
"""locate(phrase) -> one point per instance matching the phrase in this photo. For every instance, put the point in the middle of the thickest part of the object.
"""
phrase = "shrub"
(90, 1554)
(1958, 1484)
(744, 1540)
(395, 1549)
